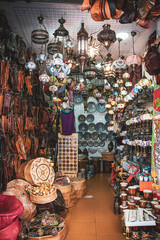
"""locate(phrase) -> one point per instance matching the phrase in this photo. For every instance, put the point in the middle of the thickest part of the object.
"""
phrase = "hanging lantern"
(145, 82)
(55, 46)
(61, 32)
(119, 65)
(111, 112)
(30, 65)
(112, 122)
(93, 48)
(90, 70)
(128, 84)
(113, 103)
(126, 76)
(108, 68)
(108, 106)
(134, 60)
(82, 38)
(40, 35)
(107, 36)
(44, 78)
(41, 58)
(69, 46)
(121, 105)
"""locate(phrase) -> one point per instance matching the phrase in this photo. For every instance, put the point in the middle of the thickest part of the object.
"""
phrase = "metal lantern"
(134, 60)
(82, 38)
(108, 68)
(69, 46)
(119, 65)
(107, 36)
(40, 35)
(90, 70)
(55, 46)
(61, 32)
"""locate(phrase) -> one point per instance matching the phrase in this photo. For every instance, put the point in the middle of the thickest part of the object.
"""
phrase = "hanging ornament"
(68, 46)
(44, 78)
(30, 65)
(134, 60)
(41, 58)
(119, 65)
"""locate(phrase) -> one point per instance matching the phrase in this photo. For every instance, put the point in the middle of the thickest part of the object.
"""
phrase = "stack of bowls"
(123, 196)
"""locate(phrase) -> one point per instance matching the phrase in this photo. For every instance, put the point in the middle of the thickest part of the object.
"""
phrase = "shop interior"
(79, 120)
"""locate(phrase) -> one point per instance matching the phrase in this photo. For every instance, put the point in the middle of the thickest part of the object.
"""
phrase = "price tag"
(130, 178)
(145, 185)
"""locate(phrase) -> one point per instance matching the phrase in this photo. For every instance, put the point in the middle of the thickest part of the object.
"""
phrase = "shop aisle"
(93, 218)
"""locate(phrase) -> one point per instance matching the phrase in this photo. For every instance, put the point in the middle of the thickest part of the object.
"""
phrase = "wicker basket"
(108, 156)
(64, 189)
(70, 199)
(39, 170)
(79, 188)
(60, 236)
(20, 173)
(43, 199)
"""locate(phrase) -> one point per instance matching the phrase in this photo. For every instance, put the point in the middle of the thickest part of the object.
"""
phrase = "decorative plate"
(53, 70)
(83, 127)
(92, 150)
(91, 127)
(102, 144)
(87, 136)
(84, 143)
(78, 98)
(80, 135)
(108, 117)
(91, 107)
(94, 135)
(102, 136)
(81, 118)
(99, 127)
(90, 118)
(96, 143)
(102, 149)
(101, 108)
(90, 143)
(111, 136)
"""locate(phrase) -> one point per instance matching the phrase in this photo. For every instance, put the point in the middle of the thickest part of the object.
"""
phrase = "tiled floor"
(93, 218)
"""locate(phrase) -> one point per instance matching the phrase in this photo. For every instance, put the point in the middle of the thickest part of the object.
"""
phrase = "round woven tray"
(60, 236)
(43, 199)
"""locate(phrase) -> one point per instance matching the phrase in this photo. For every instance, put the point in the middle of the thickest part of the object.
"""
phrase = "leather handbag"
(128, 17)
(144, 7)
(154, 13)
(152, 61)
(10, 209)
(120, 4)
(145, 23)
(6, 104)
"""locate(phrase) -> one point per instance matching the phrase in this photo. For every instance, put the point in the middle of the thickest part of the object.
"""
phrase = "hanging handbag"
(6, 104)
(154, 13)
(152, 61)
(120, 4)
(128, 17)
(144, 7)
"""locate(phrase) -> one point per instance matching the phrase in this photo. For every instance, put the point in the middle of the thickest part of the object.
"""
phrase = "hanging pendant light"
(61, 32)
(90, 70)
(40, 35)
(119, 65)
(54, 46)
(93, 48)
(69, 46)
(134, 60)
(30, 65)
(82, 38)
(107, 36)
(108, 68)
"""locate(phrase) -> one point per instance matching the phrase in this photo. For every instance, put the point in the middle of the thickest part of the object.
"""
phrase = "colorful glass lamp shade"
(82, 38)
(107, 36)
(108, 68)
(119, 65)
(134, 60)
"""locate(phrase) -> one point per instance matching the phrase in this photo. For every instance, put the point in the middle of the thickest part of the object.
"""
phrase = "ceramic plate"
(80, 135)
(84, 143)
(78, 98)
(87, 135)
(90, 143)
(81, 118)
(110, 136)
(92, 150)
(96, 143)
(102, 144)
(101, 108)
(90, 118)
(83, 127)
(79, 143)
(91, 127)
(107, 124)
(94, 135)
(99, 127)
(108, 117)
(102, 136)
(101, 150)
(91, 107)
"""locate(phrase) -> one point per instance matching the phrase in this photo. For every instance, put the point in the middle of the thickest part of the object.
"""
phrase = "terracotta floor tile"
(82, 228)
(110, 225)
(80, 237)
(110, 237)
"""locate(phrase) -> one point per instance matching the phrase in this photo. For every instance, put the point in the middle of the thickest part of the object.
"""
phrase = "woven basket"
(20, 173)
(39, 170)
(70, 199)
(43, 199)
(64, 189)
(79, 188)
(60, 236)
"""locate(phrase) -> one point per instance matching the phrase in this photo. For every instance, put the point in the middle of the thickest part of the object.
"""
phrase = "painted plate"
(81, 118)
(90, 118)
(78, 98)
(96, 143)
(91, 107)
(102, 144)
(84, 143)
(90, 143)
(99, 127)
(94, 135)
(108, 117)
(83, 127)
(101, 108)
(91, 127)
(80, 135)
(87, 135)
(102, 136)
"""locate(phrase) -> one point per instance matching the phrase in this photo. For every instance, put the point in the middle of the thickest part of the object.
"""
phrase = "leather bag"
(152, 61)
